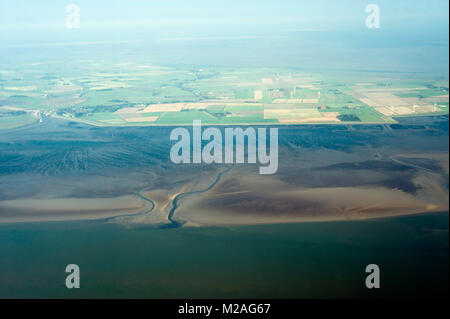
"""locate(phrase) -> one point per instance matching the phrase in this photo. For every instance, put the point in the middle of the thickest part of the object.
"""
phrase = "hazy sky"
(327, 34)
(46, 18)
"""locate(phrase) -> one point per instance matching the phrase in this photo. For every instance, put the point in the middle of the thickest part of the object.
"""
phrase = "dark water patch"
(307, 260)
(367, 165)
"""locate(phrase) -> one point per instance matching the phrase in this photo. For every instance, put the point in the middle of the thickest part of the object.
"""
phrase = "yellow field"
(172, 107)
(142, 119)
(310, 101)
(292, 113)
(310, 119)
(258, 95)
(384, 110)
(330, 114)
(296, 101)
(306, 86)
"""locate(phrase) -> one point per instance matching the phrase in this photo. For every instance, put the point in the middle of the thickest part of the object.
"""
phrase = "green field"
(423, 93)
(186, 117)
(104, 117)
(8, 122)
(363, 113)
(94, 97)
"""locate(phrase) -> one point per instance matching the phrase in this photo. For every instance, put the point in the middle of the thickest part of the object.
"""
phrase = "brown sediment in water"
(254, 199)
(63, 209)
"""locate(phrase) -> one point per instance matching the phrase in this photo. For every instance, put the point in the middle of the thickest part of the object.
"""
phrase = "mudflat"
(60, 170)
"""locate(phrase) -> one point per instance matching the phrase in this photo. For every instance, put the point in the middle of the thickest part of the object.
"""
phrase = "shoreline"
(188, 223)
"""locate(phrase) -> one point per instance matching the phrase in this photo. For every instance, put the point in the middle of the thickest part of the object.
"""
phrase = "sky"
(44, 20)
(329, 34)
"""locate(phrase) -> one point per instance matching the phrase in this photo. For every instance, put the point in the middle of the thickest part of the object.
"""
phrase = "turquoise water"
(306, 260)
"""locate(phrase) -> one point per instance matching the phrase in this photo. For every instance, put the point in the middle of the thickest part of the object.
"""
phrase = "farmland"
(13, 118)
(132, 94)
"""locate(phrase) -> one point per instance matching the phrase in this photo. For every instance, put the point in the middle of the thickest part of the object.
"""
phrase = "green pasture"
(8, 122)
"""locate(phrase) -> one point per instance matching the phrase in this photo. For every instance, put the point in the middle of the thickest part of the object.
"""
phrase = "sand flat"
(57, 209)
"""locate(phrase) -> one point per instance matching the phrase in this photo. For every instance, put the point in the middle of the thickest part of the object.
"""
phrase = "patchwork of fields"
(130, 94)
